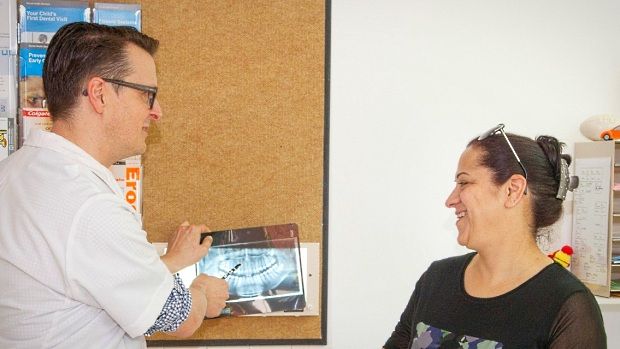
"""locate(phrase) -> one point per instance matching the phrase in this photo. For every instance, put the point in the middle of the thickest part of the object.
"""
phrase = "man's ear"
(515, 190)
(95, 94)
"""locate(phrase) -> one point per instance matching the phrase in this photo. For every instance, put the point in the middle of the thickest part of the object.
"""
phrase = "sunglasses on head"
(500, 128)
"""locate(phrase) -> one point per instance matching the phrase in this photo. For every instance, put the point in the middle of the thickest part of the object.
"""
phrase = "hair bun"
(552, 148)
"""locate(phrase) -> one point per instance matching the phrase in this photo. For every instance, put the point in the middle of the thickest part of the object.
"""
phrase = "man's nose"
(156, 113)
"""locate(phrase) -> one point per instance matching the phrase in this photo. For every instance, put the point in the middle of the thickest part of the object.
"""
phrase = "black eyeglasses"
(500, 128)
(152, 91)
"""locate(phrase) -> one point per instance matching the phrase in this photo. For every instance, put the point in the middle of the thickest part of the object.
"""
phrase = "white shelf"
(608, 301)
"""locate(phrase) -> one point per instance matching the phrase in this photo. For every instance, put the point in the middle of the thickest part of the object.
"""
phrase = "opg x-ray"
(262, 267)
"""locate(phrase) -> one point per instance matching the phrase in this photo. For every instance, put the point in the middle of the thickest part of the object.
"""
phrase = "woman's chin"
(463, 238)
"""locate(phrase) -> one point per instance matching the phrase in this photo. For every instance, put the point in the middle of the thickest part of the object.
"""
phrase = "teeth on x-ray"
(268, 278)
(260, 270)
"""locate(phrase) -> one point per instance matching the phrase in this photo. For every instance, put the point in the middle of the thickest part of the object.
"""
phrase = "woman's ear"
(95, 94)
(515, 190)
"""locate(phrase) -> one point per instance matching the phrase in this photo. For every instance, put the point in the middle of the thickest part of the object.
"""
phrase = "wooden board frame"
(244, 140)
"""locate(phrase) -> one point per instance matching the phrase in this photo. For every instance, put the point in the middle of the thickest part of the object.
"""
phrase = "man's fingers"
(207, 241)
(215, 303)
(183, 229)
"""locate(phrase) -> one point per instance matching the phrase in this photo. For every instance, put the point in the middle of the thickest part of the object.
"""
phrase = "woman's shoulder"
(558, 277)
(551, 287)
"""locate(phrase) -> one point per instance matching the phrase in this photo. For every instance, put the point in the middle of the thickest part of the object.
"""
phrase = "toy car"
(612, 133)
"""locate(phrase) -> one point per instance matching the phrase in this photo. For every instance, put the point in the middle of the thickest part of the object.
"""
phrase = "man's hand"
(209, 295)
(215, 290)
(184, 247)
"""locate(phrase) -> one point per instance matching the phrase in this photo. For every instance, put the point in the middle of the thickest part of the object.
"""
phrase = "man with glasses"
(76, 270)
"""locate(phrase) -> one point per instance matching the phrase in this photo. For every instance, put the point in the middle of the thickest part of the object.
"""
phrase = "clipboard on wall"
(594, 208)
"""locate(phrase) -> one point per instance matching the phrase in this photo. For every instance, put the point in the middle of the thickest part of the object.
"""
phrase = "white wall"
(412, 82)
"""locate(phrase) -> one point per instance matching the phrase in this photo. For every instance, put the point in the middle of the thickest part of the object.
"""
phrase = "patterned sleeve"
(579, 324)
(175, 310)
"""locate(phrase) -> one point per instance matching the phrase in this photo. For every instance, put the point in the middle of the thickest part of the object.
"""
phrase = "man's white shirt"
(75, 265)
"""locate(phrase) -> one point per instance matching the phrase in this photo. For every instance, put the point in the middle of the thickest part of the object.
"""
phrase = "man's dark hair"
(80, 51)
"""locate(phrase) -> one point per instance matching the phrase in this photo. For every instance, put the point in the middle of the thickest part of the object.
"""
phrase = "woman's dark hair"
(542, 160)
(79, 51)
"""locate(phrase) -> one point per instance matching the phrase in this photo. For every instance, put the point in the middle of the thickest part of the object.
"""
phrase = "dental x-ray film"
(262, 266)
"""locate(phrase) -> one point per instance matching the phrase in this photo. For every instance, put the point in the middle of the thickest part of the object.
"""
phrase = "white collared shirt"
(76, 269)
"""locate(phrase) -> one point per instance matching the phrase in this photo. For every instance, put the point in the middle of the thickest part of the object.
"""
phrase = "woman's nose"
(453, 198)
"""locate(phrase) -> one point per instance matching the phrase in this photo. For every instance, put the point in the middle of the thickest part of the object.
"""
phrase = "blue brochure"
(40, 20)
(118, 14)
(31, 94)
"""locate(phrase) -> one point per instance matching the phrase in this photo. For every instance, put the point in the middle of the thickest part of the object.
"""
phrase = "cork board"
(243, 140)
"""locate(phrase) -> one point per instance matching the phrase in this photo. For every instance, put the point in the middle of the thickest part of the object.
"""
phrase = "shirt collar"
(56, 142)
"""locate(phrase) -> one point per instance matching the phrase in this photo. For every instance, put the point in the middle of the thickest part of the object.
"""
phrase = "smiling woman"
(508, 187)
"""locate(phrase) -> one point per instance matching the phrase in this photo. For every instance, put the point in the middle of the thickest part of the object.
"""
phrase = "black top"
(553, 309)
